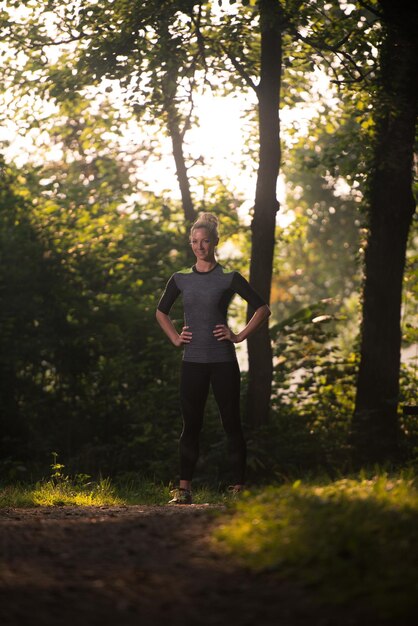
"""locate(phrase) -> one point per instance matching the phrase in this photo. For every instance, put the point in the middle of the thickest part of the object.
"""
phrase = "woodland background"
(92, 93)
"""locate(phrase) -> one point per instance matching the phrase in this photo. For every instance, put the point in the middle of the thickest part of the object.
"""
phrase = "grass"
(79, 491)
(143, 491)
(62, 490)
(62, 493)
(353, 540)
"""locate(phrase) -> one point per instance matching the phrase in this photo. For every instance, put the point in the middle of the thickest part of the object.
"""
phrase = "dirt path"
(136, 565)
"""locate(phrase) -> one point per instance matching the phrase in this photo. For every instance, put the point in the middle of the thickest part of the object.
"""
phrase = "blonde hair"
(208, 221)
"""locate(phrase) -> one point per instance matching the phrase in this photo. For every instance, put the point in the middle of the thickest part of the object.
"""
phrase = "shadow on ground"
(142, 565)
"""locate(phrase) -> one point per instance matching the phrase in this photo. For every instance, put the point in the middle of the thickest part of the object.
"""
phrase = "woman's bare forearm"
(259, 317)
(168, 327)
(170, 330)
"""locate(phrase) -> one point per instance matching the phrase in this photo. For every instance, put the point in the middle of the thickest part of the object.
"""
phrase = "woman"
(209, 357)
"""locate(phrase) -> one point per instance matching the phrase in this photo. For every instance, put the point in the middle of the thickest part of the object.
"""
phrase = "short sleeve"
(243, 288)
(169, 296)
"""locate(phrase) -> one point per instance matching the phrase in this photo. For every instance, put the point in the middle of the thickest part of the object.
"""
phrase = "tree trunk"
(265, 207)
(375, 422)
(181, 169)
(170, 88)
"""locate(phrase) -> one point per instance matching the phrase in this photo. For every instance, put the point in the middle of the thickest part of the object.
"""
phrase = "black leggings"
(194, 388)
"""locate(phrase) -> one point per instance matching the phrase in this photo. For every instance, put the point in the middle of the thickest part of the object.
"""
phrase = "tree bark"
(181, 170)
(172, 117)
(265, 207)
(391, 207)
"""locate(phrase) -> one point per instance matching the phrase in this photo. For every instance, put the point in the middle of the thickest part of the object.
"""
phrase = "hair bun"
(208, 217)
(208, 221)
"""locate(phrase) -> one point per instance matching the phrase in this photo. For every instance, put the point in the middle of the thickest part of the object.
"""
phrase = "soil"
(139, 565)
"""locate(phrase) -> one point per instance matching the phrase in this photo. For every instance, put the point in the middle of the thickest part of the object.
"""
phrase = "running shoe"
(180, 496)
(234, 491)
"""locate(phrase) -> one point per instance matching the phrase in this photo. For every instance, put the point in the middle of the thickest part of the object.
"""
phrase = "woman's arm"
(170, 330)
(223, 333)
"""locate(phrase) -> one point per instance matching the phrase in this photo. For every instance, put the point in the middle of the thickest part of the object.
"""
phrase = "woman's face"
(203, 245)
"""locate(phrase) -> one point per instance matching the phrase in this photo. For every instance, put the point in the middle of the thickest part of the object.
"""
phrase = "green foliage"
(15, 495)
(63, 494)
(314, 383)
(310, 365)
(123, 491)
(57, 474)
(316, 355)
(349, 541)
(66, 494)
(85, 375)
(318, 252)
(85, 369)
(61, 490)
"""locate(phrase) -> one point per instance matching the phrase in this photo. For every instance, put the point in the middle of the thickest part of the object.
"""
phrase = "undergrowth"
(351, 540)
(66, 493)
(60, 489)
(100, 493)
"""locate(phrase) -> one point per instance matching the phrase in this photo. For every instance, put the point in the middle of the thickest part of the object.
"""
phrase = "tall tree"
(250, 40)
(272, 22)
(293, 36)
(391, 209)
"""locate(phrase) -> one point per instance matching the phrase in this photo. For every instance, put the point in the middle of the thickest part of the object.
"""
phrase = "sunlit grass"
(67, 492)
(349, 540)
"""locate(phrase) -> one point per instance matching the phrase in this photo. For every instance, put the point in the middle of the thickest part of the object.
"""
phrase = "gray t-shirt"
(206, 297)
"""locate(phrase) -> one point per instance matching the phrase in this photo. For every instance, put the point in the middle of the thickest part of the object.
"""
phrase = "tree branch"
(370, 8)
(240, 68)
(200, 38)
(319, 45)
(187, 124)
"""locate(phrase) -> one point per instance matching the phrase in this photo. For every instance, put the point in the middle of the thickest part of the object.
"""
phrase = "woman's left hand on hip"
(223, 333)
